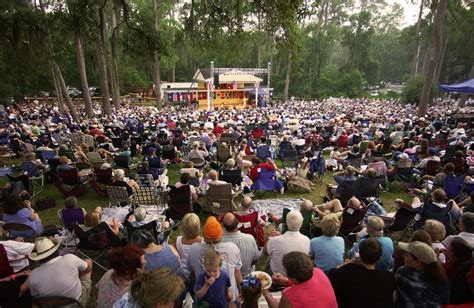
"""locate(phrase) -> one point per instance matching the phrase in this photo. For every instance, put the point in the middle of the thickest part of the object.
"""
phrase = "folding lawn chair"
(219, 199)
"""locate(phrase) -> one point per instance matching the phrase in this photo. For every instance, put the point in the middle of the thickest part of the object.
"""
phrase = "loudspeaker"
(216, 81)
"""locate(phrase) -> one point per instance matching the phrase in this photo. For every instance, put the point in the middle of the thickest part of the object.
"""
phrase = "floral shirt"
(109, 292)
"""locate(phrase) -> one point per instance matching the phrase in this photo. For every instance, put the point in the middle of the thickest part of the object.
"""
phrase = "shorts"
(86, 284)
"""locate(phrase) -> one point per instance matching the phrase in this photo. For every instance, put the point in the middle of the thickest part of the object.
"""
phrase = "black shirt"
(356, 286)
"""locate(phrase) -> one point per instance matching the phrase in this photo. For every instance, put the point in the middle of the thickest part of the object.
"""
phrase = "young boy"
(213, 285)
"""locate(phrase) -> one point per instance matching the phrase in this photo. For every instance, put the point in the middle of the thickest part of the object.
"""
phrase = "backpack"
(44, 203)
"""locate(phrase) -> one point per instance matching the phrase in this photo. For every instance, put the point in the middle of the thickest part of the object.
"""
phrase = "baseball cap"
(420, 250)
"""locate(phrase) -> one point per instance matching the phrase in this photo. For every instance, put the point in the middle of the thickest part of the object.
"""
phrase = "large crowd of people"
(348, 250)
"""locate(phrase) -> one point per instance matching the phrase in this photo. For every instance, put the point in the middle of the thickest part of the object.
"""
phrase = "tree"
(437, 41)
(99, 10)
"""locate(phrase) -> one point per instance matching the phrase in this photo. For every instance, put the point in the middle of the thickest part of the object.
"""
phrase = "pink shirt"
(316, 292)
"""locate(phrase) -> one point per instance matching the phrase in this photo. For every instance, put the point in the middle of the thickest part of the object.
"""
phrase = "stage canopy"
(463, 87)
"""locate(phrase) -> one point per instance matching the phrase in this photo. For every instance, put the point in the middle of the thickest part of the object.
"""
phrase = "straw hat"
(44, 248)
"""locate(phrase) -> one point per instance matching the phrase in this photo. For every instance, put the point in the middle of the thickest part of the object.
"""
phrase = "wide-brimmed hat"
(44, 247)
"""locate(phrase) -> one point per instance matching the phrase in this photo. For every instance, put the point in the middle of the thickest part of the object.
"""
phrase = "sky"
(410, 11)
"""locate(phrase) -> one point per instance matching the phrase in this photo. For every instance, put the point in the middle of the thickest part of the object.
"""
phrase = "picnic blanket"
(275, 206)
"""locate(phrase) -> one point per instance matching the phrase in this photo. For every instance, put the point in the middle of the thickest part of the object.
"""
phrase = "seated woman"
(125, 263)
(422, 281)
(190, 226)
(309, 284)
(230, 174)
(258, 164)
(327, 250)
(375, 227)
(195, 175)
(198, 153)
(156, 255)
(93, 218)
(158, 288)
(300, 177)
(20, 211)
(119, 180)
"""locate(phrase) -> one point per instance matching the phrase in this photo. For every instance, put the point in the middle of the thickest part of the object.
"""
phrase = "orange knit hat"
(212, 229)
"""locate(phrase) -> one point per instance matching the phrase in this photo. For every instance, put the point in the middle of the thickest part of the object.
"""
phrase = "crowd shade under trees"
(317, 48)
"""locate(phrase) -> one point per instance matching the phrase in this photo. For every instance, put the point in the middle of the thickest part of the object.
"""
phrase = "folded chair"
(443, 215)
(219, 199)
(151, 226)
(69, 183)
(69, 217)
(55, 301)
(95, 242)
(233, 176)
(288, 156)
(124, 162)
(16, 229)
(146, 180)
(453, 186)
(249, 224)
(402, 221)
(35, 177)
(5, 268)
(180, 202)
(103, 178)
(267, 180)
(118, 196)
(47, 155)
(147, 196)
(164, 235)
(431, 168)
(351, 220)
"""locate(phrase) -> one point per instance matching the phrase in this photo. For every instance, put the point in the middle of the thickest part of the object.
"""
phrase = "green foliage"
(411, 91)
(333, 50)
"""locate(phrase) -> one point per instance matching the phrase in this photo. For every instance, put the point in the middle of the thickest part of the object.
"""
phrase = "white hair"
(119, 174)
(294, 220)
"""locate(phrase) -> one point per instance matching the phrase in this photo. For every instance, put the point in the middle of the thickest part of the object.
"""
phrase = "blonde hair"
(330, 225)
(92, 219)
(435, 229)
(375, 226)
(190, 226)
(306, 205)
(212, 258)
(159, 286)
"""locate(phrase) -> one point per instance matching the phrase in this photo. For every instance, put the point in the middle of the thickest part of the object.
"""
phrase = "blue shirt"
(386, 261)
(327, 252)
(216, 294)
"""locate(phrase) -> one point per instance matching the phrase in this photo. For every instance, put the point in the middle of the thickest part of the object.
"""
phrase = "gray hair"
(294, 220)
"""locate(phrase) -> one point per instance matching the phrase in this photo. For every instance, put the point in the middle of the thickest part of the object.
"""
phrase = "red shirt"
(253, 173)
(316, 292)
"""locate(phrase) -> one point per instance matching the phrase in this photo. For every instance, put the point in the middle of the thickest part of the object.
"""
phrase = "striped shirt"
(247, 246)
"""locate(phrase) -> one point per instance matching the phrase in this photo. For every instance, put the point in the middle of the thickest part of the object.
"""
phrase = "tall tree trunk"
(62, 84)
(259, 55)
(464, 96)
(437, 40)
(416, 51)
(173, 38)
(102, 61)
(59, 95)
(114, 48)
(426, 59)
(287, 78)
(441, 59)
(81, 63)
(156, 57)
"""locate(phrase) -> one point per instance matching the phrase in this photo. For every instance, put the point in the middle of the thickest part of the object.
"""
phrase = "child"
(213, 285)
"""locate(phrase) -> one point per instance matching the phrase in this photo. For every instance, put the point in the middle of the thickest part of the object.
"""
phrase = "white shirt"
(280, 245)
(17, 254)
(468, 237)
(59, 276)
